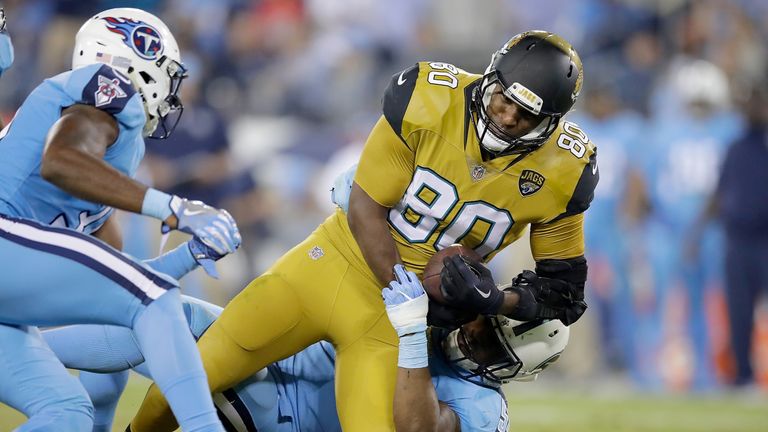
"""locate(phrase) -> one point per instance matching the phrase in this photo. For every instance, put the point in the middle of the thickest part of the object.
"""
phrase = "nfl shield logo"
(478, 172)
(530, 182)
(316, 253)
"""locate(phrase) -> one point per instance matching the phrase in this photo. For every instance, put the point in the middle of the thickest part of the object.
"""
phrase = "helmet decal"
(141, 37)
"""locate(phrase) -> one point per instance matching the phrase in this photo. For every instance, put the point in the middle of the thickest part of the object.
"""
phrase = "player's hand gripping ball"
(431, 277)
(440, 314)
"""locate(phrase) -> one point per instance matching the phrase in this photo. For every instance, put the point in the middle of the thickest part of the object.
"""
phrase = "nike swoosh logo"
(400, 80)
(594, 169)
(192, 213)
(484, 294)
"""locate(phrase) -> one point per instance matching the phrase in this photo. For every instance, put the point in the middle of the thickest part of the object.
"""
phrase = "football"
(431, 277)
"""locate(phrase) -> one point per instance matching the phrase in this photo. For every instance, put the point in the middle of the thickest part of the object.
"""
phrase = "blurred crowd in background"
(282, 93)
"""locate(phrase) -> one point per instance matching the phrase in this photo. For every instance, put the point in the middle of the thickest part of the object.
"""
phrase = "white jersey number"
(443, 74)
(430, 198)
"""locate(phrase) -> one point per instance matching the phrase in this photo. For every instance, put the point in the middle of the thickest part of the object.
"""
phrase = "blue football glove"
(406, 302)
(6, 46)
(205, 256)
(342, 187)
(214, 227)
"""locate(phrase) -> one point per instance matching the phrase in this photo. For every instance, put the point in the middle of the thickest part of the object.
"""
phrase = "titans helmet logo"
(140, 36)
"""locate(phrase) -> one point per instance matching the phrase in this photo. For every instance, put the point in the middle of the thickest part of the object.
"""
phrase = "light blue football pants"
(57, 276)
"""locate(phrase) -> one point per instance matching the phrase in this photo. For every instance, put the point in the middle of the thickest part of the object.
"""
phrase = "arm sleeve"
(175, 263)
(560, 239)
(386, 165)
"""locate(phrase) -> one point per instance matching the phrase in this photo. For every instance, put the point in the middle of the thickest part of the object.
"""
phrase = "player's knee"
(166, 307)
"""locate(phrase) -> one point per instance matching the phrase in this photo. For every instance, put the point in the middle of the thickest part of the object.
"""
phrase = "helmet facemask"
(504, 349)
(163, 114)
(499, 363)
(492, 136)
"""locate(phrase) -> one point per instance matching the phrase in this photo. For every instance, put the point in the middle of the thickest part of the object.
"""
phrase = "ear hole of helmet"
(146, 77)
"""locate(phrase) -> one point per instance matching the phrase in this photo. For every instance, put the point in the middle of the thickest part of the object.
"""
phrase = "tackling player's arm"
(416, 405)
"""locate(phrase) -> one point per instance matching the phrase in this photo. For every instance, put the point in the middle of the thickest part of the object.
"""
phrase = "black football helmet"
(541, 72)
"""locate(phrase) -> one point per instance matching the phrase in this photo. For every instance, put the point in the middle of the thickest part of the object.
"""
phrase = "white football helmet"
(523, 349)
(140, 45)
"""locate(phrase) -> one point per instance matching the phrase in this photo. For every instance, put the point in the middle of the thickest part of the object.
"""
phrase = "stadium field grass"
(569, 410)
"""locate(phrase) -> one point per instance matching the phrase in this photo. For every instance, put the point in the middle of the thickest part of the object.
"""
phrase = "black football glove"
(547, 298)
(470, 286)
(448, 317)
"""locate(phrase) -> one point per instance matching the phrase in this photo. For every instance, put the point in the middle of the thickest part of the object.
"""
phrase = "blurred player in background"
(606, 226)
(742, 181)
(6, 50)
(68, 159)
(456, 157)
(685, 149)
(296, 394)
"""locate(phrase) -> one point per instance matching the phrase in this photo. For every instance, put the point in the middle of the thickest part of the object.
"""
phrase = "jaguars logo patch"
(530, 182)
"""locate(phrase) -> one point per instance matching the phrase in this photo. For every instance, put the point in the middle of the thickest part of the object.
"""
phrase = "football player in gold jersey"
(455, 158)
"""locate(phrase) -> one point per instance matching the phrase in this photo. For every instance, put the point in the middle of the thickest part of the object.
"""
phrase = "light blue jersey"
(23, 192)
(479, 408)
(84, 279)
(293, 395)
(682, 172)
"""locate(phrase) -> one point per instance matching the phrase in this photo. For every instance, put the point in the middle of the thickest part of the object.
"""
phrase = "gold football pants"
(309, 294)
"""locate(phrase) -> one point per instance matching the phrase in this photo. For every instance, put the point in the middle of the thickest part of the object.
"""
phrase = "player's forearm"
(415, 405)
(511, 300)
(368, 222)
(87, 177)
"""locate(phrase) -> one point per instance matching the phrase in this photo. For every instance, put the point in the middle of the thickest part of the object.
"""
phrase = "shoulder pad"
(583, 152)
(108, 89)
(397, 96)
(427, 95)
(590, 174)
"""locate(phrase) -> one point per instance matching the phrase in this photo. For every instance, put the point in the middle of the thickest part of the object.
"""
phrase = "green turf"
(555, 411)
(574, 413)
(129, 404)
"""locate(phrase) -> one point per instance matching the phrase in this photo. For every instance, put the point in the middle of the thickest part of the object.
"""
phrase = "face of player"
(477, 340)
(514, 120)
